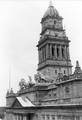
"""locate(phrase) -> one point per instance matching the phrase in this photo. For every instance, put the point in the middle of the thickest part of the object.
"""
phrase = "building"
(57, 92)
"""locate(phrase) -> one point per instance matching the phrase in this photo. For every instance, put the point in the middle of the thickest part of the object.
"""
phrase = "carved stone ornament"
(22, 84)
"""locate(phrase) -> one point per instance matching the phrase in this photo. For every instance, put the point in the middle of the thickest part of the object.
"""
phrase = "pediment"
(22, 102)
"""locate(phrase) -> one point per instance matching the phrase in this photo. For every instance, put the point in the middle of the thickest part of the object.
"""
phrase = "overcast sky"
(19, 33)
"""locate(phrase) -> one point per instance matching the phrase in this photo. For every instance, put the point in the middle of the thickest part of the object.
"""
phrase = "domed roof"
(51, 11)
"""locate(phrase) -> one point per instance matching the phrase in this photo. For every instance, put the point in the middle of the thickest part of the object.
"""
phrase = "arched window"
(63, 53)
(56, 72)
(53, 53)
(54, 21)
(67, 89)
(57, 52)
(64, 72)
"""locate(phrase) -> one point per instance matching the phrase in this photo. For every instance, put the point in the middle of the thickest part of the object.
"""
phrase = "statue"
(40, 78)
(22, 84)
(37, 78)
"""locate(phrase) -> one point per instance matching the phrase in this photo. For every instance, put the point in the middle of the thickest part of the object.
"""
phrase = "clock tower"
(53, 46)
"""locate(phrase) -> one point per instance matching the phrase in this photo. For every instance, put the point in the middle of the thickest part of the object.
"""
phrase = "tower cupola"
(51, 12)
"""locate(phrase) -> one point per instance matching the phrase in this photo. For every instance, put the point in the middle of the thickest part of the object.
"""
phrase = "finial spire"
(9, 78)
(50, 4)
(77, 63)
(77, 68)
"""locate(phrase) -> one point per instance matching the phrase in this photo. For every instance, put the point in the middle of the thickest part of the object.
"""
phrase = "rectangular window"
(77, 117)
(43, 117)
(48, 117)
(21, 117)
(53, 117)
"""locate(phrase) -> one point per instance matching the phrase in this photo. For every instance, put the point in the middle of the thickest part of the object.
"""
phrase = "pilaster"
(60, 52)
(65, 48)
(68, 56)
(56, 117)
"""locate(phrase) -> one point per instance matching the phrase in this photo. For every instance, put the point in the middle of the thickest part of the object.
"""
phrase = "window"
(49, 95)
(48, 117)
(53, 117)
(56, 72)
(77, 117)
(67, 89)
(56, 35)
(63, 52)
(21, 117)
(43, 117)
(54, 21)
(57, 52)
(54, 94)
(53, 51)
(64, 72)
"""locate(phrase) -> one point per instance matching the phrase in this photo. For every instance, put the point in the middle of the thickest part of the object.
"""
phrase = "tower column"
(39, 56)
(47, 51)
(60, 52)
(68, 56)
(44, 51)
(65, 52)
(42, 55)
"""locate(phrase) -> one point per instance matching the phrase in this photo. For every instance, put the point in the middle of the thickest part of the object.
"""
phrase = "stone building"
(56, 93)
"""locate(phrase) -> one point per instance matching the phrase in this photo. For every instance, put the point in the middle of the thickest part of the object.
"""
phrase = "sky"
(19, 34)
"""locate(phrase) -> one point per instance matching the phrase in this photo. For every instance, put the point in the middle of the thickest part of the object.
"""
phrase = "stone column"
(25, 117)
(60, 52)
(75, 118)
(47, 49)
(65, 52)
(55, 117)
(80, 117)
(39, 55)
(20, 117)
(55, 51)
(50, 117)
(68, 56)
(16, 117)
(44, 53)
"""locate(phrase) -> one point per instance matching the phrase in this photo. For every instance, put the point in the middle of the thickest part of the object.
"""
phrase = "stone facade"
(57, 92)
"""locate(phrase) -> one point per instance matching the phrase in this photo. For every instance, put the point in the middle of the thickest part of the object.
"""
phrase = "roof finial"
(77, 63)
(9, 78)
(77, 68)
(50, 4)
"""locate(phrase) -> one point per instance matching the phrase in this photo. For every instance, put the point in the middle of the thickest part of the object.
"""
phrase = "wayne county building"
(56, 93)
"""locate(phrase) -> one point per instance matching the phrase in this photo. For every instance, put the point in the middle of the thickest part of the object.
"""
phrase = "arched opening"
(56, 72)
(57, 52)
(63, 53)
(53, 51)
(64, 72)
(54, 21)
